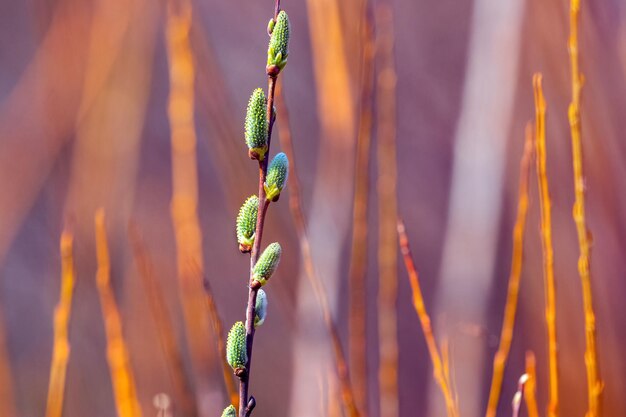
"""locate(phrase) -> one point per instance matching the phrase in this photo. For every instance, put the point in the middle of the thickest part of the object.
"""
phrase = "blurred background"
(441, 89)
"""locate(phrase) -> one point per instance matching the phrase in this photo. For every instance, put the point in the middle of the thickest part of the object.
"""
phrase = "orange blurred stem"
(594, 380)
(163, 321)
(118, 357)
(295, 206)
(62, 314)
(506, 335)
(439, 373)
(358, 259)
(546, 243)
(531, 385)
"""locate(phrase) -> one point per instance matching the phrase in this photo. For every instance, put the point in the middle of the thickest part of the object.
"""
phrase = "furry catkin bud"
(260, 308)
(229, 411)
(246, 223)
(278, 49)
(236, 353)
(267, 263)
(276, 178)
(256, 125)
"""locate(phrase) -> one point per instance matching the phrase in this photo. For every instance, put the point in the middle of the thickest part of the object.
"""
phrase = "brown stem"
(245, 408)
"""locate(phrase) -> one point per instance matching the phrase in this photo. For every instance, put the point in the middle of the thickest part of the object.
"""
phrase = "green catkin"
(246, 223)
(276, 178)
(278, 49)
(267, 263)
(260, 308)
(229, 411)
(256, 125)
(236, 353)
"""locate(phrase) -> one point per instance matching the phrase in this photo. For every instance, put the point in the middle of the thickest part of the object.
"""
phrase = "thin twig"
(297, 214)
(246, 404)
(594, 380)
(118, 357)
(439, 372)
(62, 314)
(358, 260)
(531, 386)
(508, 323)
(165, 329)
(184, 203)
(387, 211)
(546, 244)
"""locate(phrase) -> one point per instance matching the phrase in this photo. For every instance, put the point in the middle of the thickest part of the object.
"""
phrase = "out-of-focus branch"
(531, 385)
(358, 259)
(184, 393)
(307, 258)
(62, 314)
(508, 323)
(440, 368)
(594, 380)
(546, 244)
(387, 210)
(118, 357)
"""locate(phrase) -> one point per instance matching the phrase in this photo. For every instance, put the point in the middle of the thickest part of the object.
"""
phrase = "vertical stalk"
(62, 314)
(594, 381)
(358, 259)
(508, 323)
(440, 368)
(387, 211)
(531, 385)
(546, 244)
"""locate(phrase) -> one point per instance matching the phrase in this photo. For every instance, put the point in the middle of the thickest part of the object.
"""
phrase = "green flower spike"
(276, 178)
(278, 49)
(236, 353)
(267, 263)
(246, 223)
(229, 411)
(260, 309)
(256, 125)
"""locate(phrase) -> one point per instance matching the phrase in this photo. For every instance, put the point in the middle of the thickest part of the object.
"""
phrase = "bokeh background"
(84, 88)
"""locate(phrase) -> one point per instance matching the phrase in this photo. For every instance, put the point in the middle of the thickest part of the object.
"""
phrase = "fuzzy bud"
(236, 353)
(229, 411)
(267, 263)
(260, 308)
(278, 49)
(246, 223)
(256, 125)
(276, 178)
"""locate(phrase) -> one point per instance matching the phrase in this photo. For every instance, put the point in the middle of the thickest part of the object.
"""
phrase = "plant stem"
(546, 244)
(531, 385)
(439, 371)
(295, 206)
(245, 407)
(594, 381)
(510, 309)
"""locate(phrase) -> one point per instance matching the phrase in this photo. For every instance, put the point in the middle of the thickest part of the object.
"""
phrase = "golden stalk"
(387, 211)
(118, 357)
(184, 203)
(440, 368)
(531, 385)
(546, 244)
(594, 381)
(183, 390)
(508, 323)
(62, 314)
(297, 214)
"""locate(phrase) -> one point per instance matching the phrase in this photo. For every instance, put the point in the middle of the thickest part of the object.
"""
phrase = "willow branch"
(297, 214)
(506, 335)
(546, 244)
(420, 308)
(594, 381)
